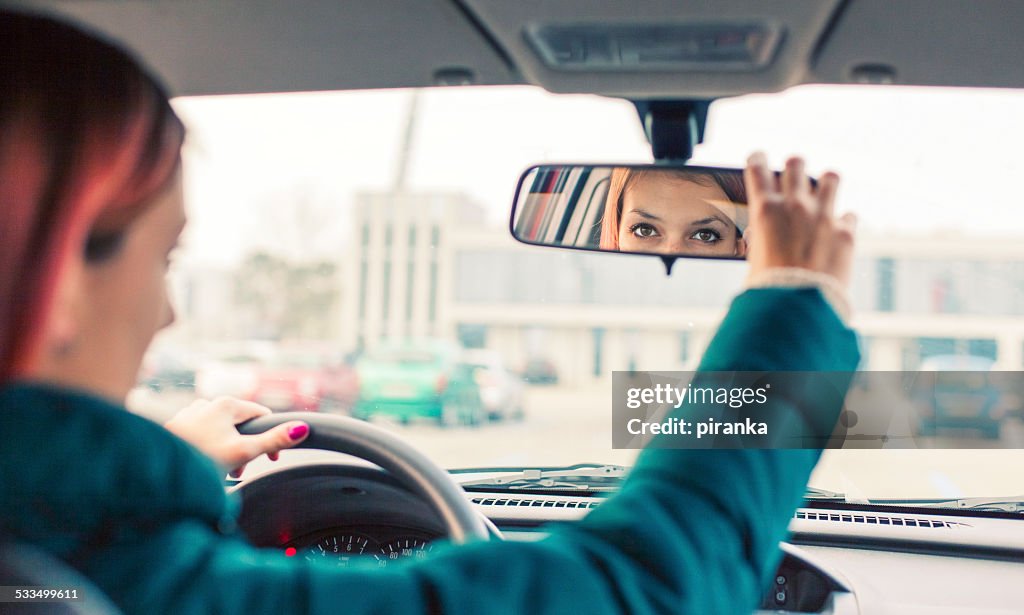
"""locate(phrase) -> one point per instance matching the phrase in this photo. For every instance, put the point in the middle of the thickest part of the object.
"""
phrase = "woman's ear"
(63, 323)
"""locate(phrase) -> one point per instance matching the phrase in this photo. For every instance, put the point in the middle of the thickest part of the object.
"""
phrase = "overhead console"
(697, 49)
(731, 47)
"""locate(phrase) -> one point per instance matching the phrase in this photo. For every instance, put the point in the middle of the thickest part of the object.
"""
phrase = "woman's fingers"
(274, 440)
(210, 426)
(759, 181)
(828, 185)
(238, 409)
(843, 239)
(793, 224)
(796, 187)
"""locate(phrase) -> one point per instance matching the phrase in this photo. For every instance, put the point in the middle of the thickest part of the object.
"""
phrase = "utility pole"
(407, 142)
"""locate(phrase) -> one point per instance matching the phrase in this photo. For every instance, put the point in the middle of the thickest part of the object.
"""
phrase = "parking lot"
(567, 426)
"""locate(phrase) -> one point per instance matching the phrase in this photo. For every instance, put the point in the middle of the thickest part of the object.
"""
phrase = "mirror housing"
(669, 211)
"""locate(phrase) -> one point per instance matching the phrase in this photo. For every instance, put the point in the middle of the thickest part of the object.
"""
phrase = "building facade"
(432, 265)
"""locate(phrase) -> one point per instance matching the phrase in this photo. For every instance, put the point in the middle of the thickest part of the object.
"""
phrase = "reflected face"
(666, 214)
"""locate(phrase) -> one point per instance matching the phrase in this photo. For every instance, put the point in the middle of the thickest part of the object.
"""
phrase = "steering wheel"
(412, 468)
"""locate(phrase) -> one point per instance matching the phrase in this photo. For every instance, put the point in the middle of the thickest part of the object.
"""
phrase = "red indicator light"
(290, 552)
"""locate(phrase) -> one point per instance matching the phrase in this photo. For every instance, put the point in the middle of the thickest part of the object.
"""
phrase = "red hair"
(87, 140)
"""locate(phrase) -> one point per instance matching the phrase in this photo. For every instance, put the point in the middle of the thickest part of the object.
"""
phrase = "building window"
(684, 346)
(598, 335)
(386, 295)
(983, 348)
(410, 273)
(432, 299)
(886, 268)
(363, 273)
(937, 346)
(472, 336)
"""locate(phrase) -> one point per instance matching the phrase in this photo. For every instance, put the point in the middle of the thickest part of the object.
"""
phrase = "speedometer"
(404, 547)
(341, 548)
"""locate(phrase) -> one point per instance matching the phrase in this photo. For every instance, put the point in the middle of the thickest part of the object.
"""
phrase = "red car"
(305, 382)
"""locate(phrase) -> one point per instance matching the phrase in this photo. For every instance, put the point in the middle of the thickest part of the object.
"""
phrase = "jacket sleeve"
(691, 531)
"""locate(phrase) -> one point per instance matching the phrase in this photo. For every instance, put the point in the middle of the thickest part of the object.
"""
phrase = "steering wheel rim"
(412, 468)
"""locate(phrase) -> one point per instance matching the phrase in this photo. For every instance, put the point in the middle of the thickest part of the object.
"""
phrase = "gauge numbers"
(404, 547)
(341, 547)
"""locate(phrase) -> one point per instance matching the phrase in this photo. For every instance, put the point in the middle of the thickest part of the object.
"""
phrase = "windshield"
(351, 220)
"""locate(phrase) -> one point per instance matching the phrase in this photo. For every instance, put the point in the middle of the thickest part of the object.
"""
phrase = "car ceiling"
(246, 46)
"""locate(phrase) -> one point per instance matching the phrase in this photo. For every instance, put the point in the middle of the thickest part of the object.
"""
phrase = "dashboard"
(836, 561)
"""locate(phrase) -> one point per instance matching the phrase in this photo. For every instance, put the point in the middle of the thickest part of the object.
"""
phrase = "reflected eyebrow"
(644, 214)
(708, 221)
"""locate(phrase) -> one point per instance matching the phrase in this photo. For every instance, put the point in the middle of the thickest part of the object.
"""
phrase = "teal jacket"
(146, 518)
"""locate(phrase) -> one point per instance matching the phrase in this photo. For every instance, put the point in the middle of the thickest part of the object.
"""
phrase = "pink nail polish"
(298, 432)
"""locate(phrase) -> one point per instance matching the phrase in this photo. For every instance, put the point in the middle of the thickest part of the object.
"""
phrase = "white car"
(501, 390)
(233, 376)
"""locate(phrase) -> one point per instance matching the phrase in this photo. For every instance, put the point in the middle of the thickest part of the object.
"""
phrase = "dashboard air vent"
(878, 519)
(535, 502)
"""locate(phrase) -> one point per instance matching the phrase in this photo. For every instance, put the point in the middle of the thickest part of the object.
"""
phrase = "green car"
(418, 380)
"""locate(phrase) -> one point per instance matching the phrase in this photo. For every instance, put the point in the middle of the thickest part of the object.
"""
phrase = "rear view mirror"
(639, 209)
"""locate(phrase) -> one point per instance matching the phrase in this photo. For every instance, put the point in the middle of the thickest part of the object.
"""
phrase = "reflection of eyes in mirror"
(673, 212)
(684, 211)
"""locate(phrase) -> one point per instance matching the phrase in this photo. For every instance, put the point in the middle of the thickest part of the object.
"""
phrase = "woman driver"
(90, 208)
(675, 211)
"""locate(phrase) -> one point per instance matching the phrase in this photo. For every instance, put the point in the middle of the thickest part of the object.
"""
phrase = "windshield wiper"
(824, 495)
(594, 477)
(582, 477)
(1013, 504)
(597, 477)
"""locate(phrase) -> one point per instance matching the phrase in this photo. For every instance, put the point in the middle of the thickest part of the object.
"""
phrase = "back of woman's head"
(87, 139)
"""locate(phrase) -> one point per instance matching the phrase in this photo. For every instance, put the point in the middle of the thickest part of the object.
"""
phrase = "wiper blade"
(583, 477)
(1014, 504)
(591, 476)
(824, 495)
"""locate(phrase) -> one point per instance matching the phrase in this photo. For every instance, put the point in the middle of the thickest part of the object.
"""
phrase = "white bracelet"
(796, 277)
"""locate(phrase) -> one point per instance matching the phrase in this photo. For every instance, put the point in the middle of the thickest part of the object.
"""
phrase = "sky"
(913, 160)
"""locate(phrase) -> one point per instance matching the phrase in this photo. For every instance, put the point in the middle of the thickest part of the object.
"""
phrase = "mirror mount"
(673, 127)
(668, 261)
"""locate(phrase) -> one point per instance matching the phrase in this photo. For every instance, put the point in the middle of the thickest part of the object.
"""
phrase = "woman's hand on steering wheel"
(210, 427)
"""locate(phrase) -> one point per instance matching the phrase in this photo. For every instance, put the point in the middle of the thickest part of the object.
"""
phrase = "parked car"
(167, 370)
(234, 375)
(540, 371)
(501, 391)
(304, 381)
(418, 380)
(959, 392)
